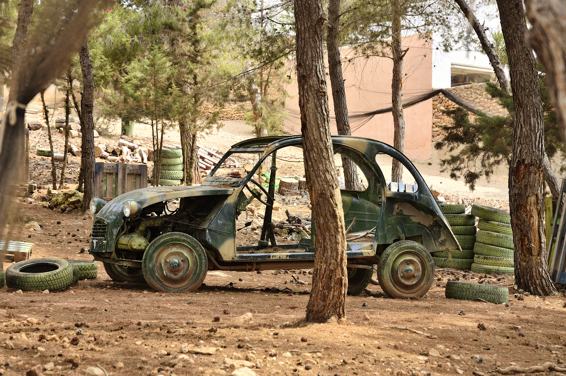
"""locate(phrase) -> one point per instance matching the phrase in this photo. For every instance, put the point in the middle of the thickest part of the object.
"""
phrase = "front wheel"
(121, 273)
(174, 262)
(358, 279)
(405, 270)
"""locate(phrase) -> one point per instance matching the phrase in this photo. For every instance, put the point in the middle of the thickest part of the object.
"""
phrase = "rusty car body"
(139, 237)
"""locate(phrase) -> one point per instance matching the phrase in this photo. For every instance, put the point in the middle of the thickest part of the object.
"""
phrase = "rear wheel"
(405, 270)
(121, 273)
(174, 262)
(358, 279)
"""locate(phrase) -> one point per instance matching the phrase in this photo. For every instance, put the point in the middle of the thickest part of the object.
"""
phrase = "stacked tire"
(494, 250)
(464, 228)
(171, 167)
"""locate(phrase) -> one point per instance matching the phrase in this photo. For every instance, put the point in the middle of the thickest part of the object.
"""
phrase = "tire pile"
(47, 274)
(464, 228)
(171, 167)
(494, 250)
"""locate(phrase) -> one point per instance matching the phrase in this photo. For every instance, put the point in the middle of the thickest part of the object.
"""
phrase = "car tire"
(86, 269)
(491, 214)
(501, 228)
(358, 280)
(496, 239)
(2, 278)
(176, 167)
(474, 291)
(174, 262)
(76, 275)
(463, 230)
(491, 250)
(171, 161)
(391, 277)
(119, 273)
(460, 219)
(168, 182)
(494, 261)
(467, 254)
(466, 241)
(170, 175)
(172, 153)
(452, 209)
(40, 274)
(478, 268)
(462, 264)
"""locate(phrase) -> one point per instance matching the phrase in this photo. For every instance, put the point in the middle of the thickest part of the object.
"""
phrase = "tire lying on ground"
(502, 228)
(473, 291)
(478, 268)
(40, 274)
(491, 214)
(463, 254)
(86, 269)
(460, 219)
(491, 250)
(462, 264)
(496, 239)
(452, 209)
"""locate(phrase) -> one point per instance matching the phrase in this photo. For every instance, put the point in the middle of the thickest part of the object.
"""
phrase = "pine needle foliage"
(478, 144)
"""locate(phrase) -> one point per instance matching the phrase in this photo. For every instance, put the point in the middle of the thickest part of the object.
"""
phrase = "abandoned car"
(170, 237)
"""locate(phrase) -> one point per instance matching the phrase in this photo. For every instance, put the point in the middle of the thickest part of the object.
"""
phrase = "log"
(109, 149)
(143, 155)
(74, 134)
(104, 155)
(59, 157)
(129, 145)
(303, 184)
(74, 150)
(113, 158)
(35, 126)
(99, 149)
(288, 186)
(125, 151)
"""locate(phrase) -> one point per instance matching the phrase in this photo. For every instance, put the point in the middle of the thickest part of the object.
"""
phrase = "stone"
(433, 352)
(234, 364)
(35, 370)
(244, 371)
(246, 318)
(119, 365)
(96, 371)
(49, 366)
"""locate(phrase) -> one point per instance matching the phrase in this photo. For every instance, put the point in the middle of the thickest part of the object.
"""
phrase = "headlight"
(96, 204)
(131, 207)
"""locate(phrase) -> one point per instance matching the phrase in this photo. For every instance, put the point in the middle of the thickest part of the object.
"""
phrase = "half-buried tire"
(40, 274)
(86, 269)
(473, 291)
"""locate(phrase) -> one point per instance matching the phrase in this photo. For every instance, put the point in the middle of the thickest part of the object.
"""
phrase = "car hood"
(149, 196)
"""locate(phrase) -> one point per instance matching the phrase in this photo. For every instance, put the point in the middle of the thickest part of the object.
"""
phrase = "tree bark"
(486, 44)
(397, 90)
(330, 283)
(87, 126)
(548, 38)
(50, 139)
(525, 175)
(351, 180)
(20, 39)
(255, 100)
(66, 130)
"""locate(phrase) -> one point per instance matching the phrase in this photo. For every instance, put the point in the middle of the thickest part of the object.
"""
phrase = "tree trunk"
(330, 283)
(525, 174)
(188, 144)
(66, 130)
(486, 45)
(397, 90)
(351, 179)
(20, 39)
(50, 139)
(87, 126)
(255, 100)
(548, 38)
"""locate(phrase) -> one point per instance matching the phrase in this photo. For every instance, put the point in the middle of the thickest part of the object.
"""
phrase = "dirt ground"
(252, 323)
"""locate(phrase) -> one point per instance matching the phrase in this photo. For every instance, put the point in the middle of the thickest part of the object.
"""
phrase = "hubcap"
(407, 270)
(175, 265)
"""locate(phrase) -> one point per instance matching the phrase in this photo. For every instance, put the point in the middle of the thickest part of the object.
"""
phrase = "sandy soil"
(252, 323)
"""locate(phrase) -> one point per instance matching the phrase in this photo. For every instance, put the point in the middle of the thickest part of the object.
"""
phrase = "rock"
(35, 370)
(234, 364)
(34, 226)
(433, 352)
(9, 345)
(119, 365)
(203, 350)
(286, 354)
(244, 371)
(49, 366)
(74, 360)
(246, 318)
(97, 371)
